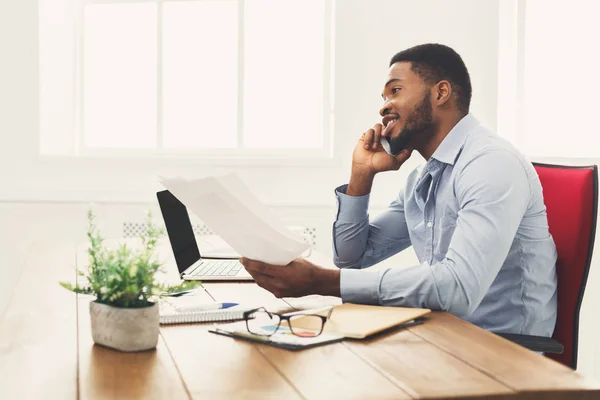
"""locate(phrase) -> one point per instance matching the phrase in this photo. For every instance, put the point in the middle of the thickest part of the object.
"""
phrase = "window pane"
(120, 75)
(200, 74)
(561, 107)
(283, 78)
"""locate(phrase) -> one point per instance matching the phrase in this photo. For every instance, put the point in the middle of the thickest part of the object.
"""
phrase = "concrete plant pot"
(124, 329)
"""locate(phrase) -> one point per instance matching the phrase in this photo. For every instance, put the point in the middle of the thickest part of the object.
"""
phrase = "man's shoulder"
(492, 163)
(488, 148)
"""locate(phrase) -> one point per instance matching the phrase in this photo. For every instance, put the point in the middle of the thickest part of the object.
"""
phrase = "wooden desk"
(46, 352)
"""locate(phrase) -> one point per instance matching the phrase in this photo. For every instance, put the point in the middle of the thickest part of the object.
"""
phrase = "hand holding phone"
(369, 158)
(371, 155)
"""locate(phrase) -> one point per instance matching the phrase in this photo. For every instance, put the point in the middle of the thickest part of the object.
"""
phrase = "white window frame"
(230, 156)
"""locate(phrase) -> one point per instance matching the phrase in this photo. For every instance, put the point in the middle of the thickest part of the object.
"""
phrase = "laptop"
(191, 265)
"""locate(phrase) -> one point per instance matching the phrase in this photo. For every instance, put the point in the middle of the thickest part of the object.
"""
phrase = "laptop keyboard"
(217, 268)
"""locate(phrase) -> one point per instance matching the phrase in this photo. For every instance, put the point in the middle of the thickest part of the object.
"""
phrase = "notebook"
(181, 317)
(169, 313)
(357, 321)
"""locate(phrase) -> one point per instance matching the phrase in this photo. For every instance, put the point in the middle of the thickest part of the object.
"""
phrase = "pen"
(205, 307)
(309, 311)
(177, 294)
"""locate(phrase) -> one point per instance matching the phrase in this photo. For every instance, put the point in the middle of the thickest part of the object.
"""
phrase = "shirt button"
(429, 224)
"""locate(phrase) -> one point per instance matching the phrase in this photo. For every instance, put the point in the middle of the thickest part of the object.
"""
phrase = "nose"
(385, 109)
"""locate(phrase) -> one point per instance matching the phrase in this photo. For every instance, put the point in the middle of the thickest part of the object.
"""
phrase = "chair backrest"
(571, 198)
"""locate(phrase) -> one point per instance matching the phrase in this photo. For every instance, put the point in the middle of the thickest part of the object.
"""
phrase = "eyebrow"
(387, 84)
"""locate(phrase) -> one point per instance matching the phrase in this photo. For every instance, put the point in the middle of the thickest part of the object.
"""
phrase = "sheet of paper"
(230, 210)
(214, 246)
(282, 335)
(235, 185)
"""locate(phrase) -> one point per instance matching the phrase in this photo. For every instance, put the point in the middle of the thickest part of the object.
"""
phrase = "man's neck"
(441, 131)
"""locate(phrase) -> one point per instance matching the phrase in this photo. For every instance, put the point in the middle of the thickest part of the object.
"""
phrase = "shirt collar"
(449, 149)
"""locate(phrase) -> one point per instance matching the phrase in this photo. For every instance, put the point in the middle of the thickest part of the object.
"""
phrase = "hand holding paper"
(229, 209)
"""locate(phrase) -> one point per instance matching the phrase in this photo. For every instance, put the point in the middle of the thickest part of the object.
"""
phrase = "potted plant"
(125, 314)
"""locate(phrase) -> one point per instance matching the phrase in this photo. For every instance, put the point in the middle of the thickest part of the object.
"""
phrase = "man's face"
(407, 112)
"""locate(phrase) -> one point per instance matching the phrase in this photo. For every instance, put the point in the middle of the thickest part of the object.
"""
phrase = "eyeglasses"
(301, 323)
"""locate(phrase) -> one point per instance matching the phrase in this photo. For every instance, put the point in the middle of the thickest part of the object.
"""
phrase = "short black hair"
(435, 62)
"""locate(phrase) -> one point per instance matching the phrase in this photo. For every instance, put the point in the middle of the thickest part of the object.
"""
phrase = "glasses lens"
(306, 325)
(262, 323)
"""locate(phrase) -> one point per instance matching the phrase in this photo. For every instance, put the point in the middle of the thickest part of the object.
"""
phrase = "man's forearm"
(360, 183)
(328, 284)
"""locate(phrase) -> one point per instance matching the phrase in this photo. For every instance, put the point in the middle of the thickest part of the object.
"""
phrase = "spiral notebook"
(170, 315)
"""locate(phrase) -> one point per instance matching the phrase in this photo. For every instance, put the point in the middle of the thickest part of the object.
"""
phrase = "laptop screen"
(179, 230)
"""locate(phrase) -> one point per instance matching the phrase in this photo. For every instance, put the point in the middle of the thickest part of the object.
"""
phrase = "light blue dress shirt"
(475, 216)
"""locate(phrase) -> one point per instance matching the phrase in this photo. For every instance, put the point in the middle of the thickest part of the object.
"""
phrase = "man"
(474, 213)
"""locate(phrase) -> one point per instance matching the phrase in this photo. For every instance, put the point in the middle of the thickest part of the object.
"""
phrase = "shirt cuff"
(360, 286)
(351, 208)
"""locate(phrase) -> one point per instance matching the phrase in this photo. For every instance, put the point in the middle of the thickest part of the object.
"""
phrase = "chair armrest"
(535, 343)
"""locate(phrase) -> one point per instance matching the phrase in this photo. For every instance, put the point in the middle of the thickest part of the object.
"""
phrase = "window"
(212, 77)
(553, 105)
(561, 64)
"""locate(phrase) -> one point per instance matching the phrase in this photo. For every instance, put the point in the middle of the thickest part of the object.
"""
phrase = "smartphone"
(395, 148)
(386, 146)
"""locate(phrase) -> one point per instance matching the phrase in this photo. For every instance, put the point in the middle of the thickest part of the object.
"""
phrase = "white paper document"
(213, 246)
(230, 210)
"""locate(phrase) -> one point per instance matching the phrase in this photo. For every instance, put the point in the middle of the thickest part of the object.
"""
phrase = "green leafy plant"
(124, 277)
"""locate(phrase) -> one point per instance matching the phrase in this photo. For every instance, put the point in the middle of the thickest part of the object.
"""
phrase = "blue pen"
(206, 307)
(177, 294)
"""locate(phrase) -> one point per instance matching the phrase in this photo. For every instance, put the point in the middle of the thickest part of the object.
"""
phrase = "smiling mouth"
(390, 125)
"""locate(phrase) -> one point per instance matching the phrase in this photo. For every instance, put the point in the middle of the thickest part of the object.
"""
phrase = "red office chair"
(571, 198)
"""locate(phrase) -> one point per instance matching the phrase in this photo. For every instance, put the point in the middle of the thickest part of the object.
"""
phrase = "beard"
(418, 127)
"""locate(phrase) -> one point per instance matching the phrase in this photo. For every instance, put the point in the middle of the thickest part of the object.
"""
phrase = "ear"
(442, 92)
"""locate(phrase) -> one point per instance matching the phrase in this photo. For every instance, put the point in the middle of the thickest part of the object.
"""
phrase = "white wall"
(41, 198)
